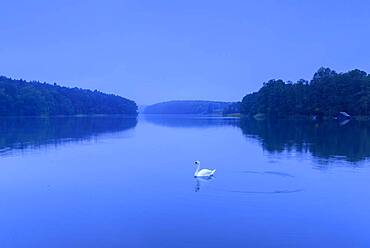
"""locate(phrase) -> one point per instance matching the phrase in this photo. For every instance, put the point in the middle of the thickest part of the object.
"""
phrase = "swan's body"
(203, 172)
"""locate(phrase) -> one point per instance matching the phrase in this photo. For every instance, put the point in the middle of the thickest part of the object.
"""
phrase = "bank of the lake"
(22, 98)
(325, 96)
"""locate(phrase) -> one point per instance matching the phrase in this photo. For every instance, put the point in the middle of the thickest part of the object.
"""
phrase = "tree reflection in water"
(37, 132)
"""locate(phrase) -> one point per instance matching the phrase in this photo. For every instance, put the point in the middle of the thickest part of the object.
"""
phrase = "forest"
(327, 94)
(187, 107)
(22, 98)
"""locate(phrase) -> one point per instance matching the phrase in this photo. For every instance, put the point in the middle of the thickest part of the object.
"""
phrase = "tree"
(18, 97)
(327, 94)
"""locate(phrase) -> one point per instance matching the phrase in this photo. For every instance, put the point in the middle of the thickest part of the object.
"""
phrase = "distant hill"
(187, 107)
(22, 98)
(232, 108)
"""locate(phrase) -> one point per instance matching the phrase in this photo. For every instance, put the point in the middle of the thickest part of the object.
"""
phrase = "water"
(122, 182)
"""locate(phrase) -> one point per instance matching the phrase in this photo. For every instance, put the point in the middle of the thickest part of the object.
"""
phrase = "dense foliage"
(186, 107)
(327, 94)
(21, 98)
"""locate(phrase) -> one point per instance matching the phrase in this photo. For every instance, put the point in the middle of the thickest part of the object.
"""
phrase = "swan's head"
(197, 162)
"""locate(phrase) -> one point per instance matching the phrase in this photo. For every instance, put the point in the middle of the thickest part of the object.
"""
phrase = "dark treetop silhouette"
(327, 94)
(21, 98)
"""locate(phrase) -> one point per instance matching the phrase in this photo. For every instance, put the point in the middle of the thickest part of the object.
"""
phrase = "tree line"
(22, 98)
(327, 94)
(187, 107)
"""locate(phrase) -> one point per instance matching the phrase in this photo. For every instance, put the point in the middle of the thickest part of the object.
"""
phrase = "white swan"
(203, 172)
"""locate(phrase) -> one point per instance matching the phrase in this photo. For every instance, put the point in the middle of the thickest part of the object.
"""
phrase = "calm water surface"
(121, 182)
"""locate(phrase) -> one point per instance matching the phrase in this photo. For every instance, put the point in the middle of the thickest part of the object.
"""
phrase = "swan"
(203, 172)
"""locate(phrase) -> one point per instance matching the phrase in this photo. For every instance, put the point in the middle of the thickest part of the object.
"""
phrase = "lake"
(127, 182)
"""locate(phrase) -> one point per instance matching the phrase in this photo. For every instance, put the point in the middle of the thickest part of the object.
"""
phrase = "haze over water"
(122, 182)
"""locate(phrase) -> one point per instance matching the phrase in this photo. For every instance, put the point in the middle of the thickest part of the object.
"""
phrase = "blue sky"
(153, 51)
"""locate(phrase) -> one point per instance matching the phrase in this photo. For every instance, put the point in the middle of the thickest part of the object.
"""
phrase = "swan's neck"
(196, 171)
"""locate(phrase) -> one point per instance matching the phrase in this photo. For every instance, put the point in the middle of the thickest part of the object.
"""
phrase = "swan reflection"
(202, 180)
(342, 123)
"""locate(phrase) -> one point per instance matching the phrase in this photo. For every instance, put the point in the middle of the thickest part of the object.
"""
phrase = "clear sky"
(158, 50)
